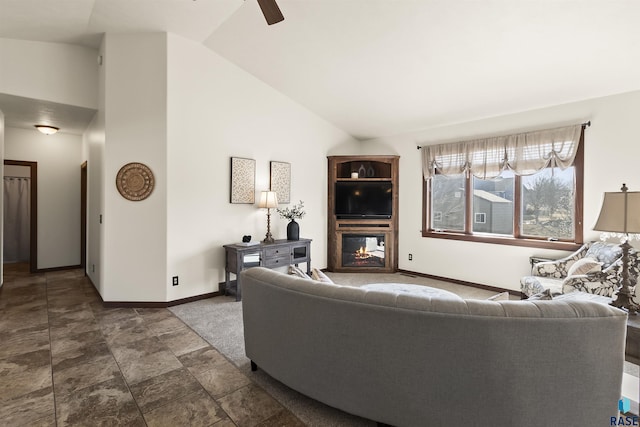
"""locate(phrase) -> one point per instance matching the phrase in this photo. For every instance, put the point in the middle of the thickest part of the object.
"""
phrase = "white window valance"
(523, 153)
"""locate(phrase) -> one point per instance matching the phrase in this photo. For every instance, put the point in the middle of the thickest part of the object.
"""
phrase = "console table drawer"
(271, 262)
(277, 252)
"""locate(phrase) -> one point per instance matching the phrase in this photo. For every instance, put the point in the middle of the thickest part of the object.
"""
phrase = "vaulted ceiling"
(381, 67)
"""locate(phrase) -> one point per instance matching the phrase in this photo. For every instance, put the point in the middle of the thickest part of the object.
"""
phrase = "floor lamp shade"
(620, 212)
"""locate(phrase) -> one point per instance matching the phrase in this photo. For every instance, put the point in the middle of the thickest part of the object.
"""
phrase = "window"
(448, 202)
(502, 198)
(481, 218)
(492, 204)
(548, 203)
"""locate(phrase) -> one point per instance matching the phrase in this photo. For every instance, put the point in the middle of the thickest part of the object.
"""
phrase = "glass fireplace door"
(363, 250)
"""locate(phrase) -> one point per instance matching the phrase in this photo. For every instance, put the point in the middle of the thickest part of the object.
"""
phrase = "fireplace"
(363, 250)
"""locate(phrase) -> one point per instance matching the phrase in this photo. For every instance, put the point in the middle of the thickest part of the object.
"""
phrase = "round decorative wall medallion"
(135, 181)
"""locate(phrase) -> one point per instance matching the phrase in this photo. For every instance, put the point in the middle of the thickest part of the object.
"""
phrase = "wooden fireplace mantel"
(382, 169)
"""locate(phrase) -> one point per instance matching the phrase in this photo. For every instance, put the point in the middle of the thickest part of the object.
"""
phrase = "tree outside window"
(549, 204)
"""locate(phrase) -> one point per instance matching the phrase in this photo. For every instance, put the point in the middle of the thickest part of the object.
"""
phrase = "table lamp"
(269, 200)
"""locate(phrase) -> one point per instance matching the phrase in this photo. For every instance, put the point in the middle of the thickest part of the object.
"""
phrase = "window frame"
(517, 239)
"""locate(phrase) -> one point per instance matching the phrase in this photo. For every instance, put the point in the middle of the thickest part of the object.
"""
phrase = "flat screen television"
(363, 199)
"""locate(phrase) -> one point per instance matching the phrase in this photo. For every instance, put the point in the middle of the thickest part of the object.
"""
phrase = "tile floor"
(67, 360)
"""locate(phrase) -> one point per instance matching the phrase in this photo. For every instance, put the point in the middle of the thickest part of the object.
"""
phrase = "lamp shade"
(620, 212)
(268, 199)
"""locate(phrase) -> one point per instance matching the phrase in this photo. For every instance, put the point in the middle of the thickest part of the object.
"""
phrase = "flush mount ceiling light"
(46, 129)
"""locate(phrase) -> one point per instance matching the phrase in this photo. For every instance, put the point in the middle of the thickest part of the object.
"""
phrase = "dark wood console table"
(280, 253)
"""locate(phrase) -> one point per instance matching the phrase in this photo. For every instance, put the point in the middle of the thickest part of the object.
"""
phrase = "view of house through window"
(545, 200)
(448, 202)
(493, 198)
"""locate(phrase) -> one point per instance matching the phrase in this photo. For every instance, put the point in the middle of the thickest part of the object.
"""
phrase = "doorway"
(20, 194)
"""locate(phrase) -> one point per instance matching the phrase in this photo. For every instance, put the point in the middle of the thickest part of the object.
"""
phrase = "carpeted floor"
(219, 321)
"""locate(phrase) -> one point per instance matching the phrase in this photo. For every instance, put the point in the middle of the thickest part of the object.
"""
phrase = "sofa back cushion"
(606, 253)
(583, 266)
(452, 304)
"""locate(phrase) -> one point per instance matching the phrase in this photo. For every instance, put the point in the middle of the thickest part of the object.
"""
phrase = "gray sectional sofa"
(414, 360)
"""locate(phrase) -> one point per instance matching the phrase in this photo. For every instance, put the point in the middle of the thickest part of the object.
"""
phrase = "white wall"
(217, 111)
(93, 147)
(135, 110)
(611, 158)
(59, 158)
(56, 72)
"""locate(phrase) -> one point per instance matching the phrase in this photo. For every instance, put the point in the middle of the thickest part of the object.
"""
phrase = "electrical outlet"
(175, 280)
(93, 268)
(410, 257)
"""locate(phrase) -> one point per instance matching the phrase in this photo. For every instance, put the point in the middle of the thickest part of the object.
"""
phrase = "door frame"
(33, 211)
(83, 217)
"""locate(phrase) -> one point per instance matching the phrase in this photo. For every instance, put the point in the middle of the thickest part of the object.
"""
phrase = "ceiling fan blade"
(271, 11)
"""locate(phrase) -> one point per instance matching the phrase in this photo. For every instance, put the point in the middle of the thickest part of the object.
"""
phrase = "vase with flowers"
(292, 213)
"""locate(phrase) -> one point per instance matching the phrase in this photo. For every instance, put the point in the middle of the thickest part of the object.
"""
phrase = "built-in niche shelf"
(365, 169)
(364, 239)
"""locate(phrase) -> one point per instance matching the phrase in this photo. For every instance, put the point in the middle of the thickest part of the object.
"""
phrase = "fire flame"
(362, 253)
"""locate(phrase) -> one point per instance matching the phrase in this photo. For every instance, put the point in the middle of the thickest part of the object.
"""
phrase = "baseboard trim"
(51, 269)
(146, 304)
(152, 304)
(131, 304)
(462, 282)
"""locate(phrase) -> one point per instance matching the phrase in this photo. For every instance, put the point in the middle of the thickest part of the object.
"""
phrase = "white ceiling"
(25, 113)
(382, 67)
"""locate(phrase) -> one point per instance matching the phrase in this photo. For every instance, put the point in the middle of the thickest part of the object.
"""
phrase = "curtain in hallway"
(17, 209)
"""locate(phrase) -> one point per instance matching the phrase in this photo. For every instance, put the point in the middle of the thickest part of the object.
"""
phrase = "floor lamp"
(619, 216)
(268, 200)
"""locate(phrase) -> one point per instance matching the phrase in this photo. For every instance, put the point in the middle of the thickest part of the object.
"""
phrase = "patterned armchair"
(595, 268)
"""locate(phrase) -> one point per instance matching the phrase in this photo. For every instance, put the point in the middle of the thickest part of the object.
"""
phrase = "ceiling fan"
(271, 11)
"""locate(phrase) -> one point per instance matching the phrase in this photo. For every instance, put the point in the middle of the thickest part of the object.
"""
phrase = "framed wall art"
(280, 181)
(243, 180)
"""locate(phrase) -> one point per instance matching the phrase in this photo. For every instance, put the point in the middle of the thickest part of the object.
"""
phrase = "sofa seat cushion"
(531, 285)
(398, 288)
(584, 296)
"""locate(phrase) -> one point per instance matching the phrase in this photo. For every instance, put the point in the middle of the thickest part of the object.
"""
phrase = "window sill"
(505, 240)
